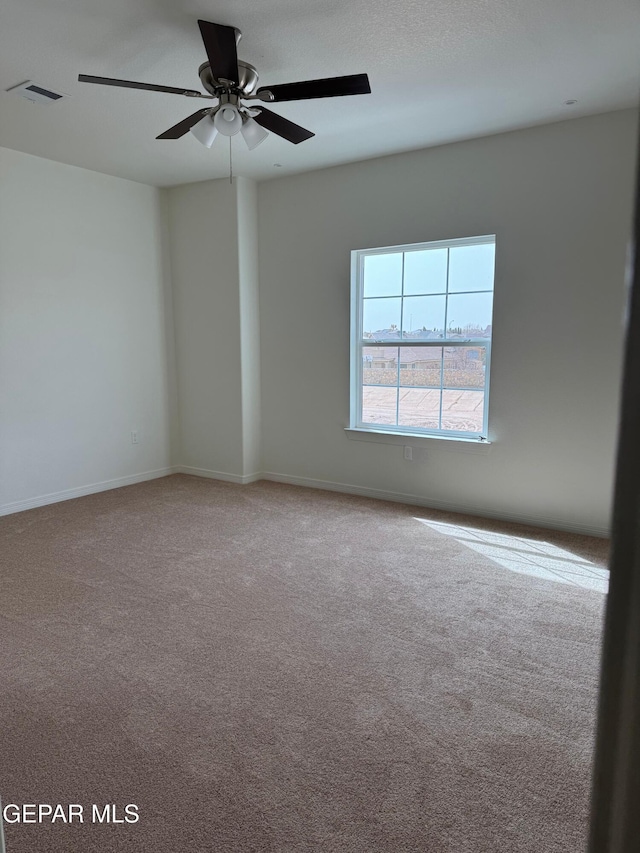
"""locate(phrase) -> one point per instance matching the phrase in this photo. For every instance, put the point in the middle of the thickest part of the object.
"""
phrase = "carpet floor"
(272, 668)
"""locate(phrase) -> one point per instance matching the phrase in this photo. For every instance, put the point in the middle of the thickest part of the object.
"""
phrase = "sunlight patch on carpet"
(527, 556)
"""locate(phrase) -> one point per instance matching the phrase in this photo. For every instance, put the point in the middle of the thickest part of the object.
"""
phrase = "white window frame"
(358, 342)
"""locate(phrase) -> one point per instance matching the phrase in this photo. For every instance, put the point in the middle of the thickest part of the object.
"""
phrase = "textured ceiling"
(440, 71)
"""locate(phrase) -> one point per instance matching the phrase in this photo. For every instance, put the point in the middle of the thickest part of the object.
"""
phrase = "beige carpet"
(270, 668)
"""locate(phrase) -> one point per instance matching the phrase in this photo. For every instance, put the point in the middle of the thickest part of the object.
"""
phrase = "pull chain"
(230, 164)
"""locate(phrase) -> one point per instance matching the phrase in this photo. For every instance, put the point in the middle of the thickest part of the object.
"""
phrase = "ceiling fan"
(231, 82)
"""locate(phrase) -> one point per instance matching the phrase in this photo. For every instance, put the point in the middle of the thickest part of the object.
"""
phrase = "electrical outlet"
(408, 453)
(134, 436)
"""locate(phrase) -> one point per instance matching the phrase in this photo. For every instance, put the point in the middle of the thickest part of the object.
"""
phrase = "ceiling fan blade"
(330, 87)
(183, 126)
(282, 126)
(220, 44)
(130, 84)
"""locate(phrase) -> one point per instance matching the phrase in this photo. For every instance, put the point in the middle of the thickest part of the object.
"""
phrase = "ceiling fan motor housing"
(246, 84)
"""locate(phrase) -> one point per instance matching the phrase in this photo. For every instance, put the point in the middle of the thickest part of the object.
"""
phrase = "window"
(421, 337)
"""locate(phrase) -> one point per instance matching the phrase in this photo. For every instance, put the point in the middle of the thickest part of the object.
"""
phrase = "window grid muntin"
(484, 343)
(359, 341)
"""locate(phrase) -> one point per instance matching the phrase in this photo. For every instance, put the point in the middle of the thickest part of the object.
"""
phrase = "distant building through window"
(421, 337)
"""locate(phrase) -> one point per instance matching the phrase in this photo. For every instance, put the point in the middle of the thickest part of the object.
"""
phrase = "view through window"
(421, 337)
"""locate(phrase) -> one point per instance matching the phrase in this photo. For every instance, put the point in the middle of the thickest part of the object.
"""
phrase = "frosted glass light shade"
(205, 131)
(228, 120)
(253, 134)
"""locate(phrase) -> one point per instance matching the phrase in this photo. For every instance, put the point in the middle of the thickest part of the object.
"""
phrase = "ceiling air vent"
(38, 94)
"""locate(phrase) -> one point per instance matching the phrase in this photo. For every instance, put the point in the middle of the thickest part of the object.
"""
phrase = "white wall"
(248, 283)
(204, 275)
(559, 199)
(83, 341)
(213, 236)
(89, 310)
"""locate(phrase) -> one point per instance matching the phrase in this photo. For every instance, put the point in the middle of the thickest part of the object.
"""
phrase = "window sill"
(380, 436)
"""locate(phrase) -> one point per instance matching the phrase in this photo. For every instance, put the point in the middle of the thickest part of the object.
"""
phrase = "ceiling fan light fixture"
(252, 133)
(205, 131)
(228, 120)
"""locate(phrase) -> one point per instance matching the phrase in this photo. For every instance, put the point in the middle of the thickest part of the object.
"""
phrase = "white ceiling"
(440, 70)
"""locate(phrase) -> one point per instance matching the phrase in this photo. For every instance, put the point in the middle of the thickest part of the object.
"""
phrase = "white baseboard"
(240, 479)
(429, 503)
(307, 482)
(81, 491)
